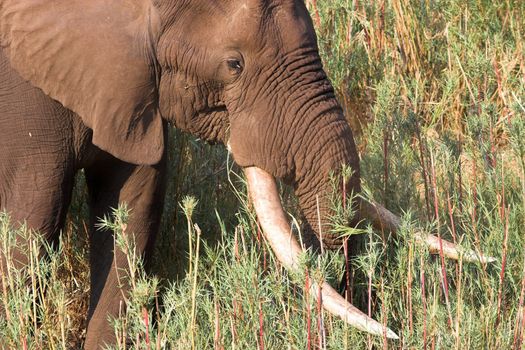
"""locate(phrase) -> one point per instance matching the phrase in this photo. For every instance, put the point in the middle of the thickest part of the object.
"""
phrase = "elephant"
(94, 84)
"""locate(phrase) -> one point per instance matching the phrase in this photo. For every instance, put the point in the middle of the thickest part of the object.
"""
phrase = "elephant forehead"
(280, 25)
(278, 22)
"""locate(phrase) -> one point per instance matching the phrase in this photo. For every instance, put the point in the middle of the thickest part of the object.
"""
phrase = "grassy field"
(435, 93)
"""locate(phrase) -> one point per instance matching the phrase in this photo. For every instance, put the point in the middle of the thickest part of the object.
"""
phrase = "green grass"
(435, 92)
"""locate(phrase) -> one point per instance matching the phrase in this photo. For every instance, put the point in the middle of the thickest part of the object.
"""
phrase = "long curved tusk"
(263, 191)
(383, 219)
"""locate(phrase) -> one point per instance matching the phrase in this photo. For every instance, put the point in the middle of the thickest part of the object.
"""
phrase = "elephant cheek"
(239, 154)
(253, 146)
(243, 143)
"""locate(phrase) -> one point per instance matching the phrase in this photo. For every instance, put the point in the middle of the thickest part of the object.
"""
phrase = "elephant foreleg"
(38, 161)
(111, 182)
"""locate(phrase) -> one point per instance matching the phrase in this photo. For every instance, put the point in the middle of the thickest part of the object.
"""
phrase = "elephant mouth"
(262, 189)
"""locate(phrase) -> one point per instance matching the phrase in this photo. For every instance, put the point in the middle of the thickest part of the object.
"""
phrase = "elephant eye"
(235, 66)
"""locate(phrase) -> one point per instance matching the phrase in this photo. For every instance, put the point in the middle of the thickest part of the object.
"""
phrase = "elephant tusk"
(383, 219)
(277, 231)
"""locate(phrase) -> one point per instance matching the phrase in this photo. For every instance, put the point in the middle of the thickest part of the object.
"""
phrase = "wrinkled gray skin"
(91, 85)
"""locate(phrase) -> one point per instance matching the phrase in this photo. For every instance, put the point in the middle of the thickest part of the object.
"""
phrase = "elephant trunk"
(331, 148)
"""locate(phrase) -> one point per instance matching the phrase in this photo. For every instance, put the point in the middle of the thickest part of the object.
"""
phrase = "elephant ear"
(97, 58)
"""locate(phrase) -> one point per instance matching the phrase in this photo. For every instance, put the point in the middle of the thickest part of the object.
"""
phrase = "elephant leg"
(38, 161)
(41, 204)
(38, 155)
(42, 209)
(142, 188)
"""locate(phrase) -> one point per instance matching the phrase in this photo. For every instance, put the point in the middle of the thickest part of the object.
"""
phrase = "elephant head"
(256, 83)
(246, 73)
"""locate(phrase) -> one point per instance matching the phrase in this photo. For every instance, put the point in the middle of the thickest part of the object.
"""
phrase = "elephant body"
(92, 85)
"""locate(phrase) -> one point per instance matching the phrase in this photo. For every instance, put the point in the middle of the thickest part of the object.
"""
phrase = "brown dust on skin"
(252, 79)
